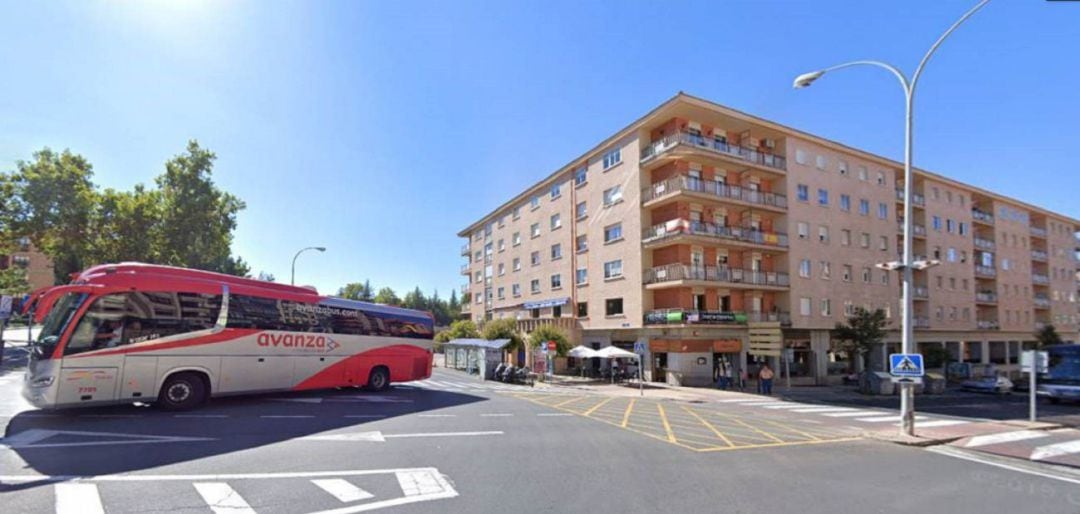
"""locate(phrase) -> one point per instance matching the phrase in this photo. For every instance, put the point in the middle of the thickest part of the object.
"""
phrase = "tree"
(13, 281)
(863, 330)
(415, 300)
(1047, 336)
(266, 277)
(545, 333)
(439, 309)
(366, 293)
(504, 328)
(124, 226)
(460, 329)
(197, 218)
(936, 356)
(453, 306)
(387, 296)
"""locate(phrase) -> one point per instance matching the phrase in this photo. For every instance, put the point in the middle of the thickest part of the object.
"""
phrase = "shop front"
(695, 362)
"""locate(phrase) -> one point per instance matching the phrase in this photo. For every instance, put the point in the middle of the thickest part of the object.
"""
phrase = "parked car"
(1000, 385)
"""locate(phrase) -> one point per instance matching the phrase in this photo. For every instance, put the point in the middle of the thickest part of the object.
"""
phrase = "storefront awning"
(543, 304)
(494, 344)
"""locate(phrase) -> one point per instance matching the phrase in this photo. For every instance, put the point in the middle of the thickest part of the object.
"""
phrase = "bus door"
(86, 375)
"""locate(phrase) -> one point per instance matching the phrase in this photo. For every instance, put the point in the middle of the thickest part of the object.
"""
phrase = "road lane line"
(366, 416)
(667, 426)
(436, 415)
(78, 499)
(957, 453)
(572, 400)
(342, 489)
(283, 416)
(222, 499)
(884, 419)
(444, 434)
(786, 405)
(822, 410)
(1004, 437)
(626, 415)
(850, 414)
(1056, 450)
(709, 426)
(554, 414)
(755, 429)
(738, 400)
(597, 406)
(793, 429)
(200, 415)
(496, 415)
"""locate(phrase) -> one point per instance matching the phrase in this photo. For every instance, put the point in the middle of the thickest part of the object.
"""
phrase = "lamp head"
(806, 79)
(320, 248)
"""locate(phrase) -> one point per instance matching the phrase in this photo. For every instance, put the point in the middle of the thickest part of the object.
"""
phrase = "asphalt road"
(458, 445)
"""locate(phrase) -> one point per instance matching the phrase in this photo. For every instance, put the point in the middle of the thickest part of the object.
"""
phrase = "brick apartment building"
(39, 269)
(715, 236)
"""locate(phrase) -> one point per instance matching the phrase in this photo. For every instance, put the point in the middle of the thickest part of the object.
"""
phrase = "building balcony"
(683, 228)
(1039, 255)
(464, 288)
(920, 322)
(465, 250)
(675, 275)
(1042, 302)
(1040, 279)
(697, 317)
(917, 230)
(466, 307)
(921, 293)
(1039, 325)
(1038, 232)
(710, 190)
(692, 142)
(982, 217)
(987, 324)
(567, 324)
(464, 269)
(987, 297)
(985, 271)
(984, 244)
(916, 198)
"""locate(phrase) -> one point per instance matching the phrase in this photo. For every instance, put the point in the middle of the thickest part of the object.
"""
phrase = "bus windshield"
(1064, 365)
(55, 323)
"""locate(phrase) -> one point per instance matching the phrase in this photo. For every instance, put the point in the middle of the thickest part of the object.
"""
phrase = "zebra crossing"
(1059, 446)
(333, 491)
(460, 386)
(870, 417)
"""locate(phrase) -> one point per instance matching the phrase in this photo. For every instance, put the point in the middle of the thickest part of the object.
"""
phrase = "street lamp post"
(906, 266)
(292, 277)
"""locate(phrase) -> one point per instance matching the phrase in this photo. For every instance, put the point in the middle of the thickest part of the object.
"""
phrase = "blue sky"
(380, 129)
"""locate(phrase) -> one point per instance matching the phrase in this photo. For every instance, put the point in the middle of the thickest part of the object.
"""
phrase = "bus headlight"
(42, 381)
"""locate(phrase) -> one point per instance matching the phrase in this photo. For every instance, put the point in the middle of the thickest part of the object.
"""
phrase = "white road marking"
(366, 416)
(737, 400)
(110, 415)
(822, 410)
(298, 400)
(884, 419)
(213, 478)
(850, 414)
(78, 499)
(785, 406)
(33, 439)
(959, 454)
(282, 416)
(445, 434)
(496, 415)
(554, 414)
(938, 423)
(371, 437)
(342, 489)
(1056, 450)
(200, 415)
(1004, 437)
(436, 415)
(222, 499)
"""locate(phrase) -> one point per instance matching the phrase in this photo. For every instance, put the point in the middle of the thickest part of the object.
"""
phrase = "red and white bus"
(132, 332)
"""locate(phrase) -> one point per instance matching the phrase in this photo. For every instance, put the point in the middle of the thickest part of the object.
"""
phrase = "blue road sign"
(906, 364)
(641, 347)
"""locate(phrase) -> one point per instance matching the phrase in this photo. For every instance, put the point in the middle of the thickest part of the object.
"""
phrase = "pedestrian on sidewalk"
(743, 378)
(722, 377)
(766, 377)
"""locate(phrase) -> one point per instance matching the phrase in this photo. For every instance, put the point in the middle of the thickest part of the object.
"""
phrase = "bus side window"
(100, 327)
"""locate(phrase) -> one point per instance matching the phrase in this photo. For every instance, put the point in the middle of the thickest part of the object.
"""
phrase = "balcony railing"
(984, 244)
(1039, 255)
(464, 269)
(681, 226)
(1039, 278)
(682, 183)
(465, 250)
(699, 317)
(464, 288)
(921, 293)
(1042, 302)
(1038, 232)
(987, 324)
(986, 297)
(916, 229)
(673, 272)
(985, 271)
(920, 322)
(982, 216)
(916, 198)
(738, 152)
(527, 325)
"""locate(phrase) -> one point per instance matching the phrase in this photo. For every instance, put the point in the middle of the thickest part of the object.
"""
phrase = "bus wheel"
(379, 379)
(182, 391)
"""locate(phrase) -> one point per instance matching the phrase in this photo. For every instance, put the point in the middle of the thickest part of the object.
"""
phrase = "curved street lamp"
(907, 394)
(292, 278)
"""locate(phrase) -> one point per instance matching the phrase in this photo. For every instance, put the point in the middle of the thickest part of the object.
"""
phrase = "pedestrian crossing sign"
(906, 365)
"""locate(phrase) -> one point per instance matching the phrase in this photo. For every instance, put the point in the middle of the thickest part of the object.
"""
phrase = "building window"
(535, 258)
(516, 239)
(581, 276)
(613, 307)
(884, 278)
(612, 196)
(583, 309)
(821, 162)
(581, 176)
(864, 207)
(866, 276)
(804, 306)
(935, 222)
(556, 281)
(862, 172)
(556, 221)
(804, 268)
(846, 276)
(826, 269)
(556, 251)
(962, 228)
(864, 240)
(517, 264)
(516, 290)
(613, 269)
(826, 307)
(502, 269)
(803, 230)
(502, 293)
(556, 191)
(580, 211)
(880, 178)
(613, 233)
(951, 254)
(800, 156)
(534, 286)
(502, 245)
(581, 244)
(843, 167)
(612, 158)
(823, 234)
(823, 197)
(845, 203)
(479, 277)
(845, 237)
(849, 308)
(949, 225)
(802, 192)
(534, 203)
(884, 244)
(534, 230)
(517, 212)
(882, 211)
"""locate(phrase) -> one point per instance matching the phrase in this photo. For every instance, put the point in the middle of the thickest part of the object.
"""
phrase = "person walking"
(766, 377)
(743, 378)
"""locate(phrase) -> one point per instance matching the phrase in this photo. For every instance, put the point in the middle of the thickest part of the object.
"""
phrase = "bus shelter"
(475, 356)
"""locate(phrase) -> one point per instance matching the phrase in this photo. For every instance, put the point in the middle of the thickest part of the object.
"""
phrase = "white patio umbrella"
(582, 352)
(613, 352)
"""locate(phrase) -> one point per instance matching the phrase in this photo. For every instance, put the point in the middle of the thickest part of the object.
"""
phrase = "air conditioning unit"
(769, 143)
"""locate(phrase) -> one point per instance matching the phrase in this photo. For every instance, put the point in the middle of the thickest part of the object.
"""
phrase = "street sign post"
(907, 365)
(5, 314)
(1033, 362)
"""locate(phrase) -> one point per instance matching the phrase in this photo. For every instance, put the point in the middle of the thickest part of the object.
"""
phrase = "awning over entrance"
(695, 346)
(494, 344)
(543, 304)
